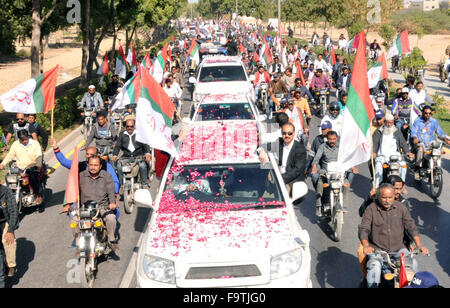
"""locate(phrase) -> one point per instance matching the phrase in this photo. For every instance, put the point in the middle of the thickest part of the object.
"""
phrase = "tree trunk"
(35, 38)
(85, 33)
(41, 58)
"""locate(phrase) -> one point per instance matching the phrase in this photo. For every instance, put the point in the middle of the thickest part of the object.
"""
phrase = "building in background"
(424, 5)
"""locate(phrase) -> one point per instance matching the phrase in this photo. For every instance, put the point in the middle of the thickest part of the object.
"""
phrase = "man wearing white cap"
(387, 142)
(91, 100)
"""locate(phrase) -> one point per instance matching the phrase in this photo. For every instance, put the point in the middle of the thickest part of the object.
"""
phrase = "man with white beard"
(388, 141)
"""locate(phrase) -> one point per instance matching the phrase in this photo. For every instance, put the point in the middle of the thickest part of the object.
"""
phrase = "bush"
(418, 22)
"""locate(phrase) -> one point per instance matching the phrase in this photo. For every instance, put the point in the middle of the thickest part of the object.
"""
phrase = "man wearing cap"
(91, 100)
(388, 141)
(423, 280)
(401, 109)
(317, 142)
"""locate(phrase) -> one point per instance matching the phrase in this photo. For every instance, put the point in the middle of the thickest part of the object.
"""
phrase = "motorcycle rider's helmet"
(405, 90)
(334, 106)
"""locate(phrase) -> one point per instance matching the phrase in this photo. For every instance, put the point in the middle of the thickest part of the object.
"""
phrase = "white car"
(224, 107)
(221, 74)
(221, 219)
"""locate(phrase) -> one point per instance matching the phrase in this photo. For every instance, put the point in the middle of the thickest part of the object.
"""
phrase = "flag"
(242, 48)
(36, 95)
(356, 140)
(266, 54)
(400, 46)
(154, 116)
(121, 66)
(297, 70)
(403, 277)
(160, 64)
(194, 52)
(333, 55)
(103, 69)
(378, 71)
(130, 92)
(73, 187)
(146, 62)
(131, 58)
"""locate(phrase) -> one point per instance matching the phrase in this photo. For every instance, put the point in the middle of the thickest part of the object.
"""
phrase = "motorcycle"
(131, 182)
(104, 152)
(117, 119)
(19, 182)
(391, 166)
(334, 206)
(431, 170)
(322, 100)
(406, 129)
(380, 98)
(395, 63)
(279, 97)
(263, 99)
(89, 115)
(92, 241)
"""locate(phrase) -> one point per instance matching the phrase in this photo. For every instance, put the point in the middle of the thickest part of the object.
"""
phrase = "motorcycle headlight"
(335, 185)
(126, 169)
(159, 269)
(11, 179)
(395, 166)
(286, 264)
(436, 152)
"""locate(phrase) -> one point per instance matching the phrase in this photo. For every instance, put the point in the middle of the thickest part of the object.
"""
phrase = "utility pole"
(279, 16)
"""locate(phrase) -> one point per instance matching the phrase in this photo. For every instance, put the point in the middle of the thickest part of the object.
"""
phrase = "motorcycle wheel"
(337, 224)
(86, 273)
(436, 188)
(323, 109)
(128, 201)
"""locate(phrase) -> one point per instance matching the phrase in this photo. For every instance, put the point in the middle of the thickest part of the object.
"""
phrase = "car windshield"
(222, 73)
(227, 187)
(234, 111)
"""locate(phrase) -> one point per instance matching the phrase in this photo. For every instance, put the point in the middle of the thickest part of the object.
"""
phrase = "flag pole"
(51, 123)
(371, 158)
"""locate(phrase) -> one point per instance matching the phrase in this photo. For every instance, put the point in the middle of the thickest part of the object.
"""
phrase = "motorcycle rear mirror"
(299, 190)
(143, 197)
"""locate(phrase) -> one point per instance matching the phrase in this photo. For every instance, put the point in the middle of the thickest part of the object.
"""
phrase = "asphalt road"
(46, 255)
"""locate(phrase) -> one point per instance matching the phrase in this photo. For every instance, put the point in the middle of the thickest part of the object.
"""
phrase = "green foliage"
(413, 61)
(387, 33)
(419, 22)
(442, 114)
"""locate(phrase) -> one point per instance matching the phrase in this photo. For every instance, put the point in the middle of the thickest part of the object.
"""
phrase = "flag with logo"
(130, 91)
(378, 71)
(154, 114)
(36, 95)
(159, 65)
(356, 140)
(400, 46)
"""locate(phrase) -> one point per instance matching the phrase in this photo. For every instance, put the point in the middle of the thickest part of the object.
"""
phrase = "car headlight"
(159, 269)
(286, 264)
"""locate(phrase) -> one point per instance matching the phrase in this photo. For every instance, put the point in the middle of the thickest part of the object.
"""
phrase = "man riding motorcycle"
(28, 155)
(387, 142)
(334, 116)
(372, 232)
(276, 87)
(131, 148)
(422, 134)
(9, 222)
(320, 81)
(92, 100)
(401, 109)
(20, 124)
(104, 134)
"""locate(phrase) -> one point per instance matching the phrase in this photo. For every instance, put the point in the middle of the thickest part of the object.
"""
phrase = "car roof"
(220, 142)
(214, 60)
(225, 98)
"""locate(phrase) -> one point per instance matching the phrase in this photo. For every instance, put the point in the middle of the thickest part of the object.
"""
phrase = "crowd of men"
(299, 157)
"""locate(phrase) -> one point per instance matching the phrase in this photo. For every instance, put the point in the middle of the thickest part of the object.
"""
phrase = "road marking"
(56, 166)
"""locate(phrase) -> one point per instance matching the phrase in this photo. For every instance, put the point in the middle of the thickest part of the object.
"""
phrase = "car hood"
(223, 87)
(221, 236)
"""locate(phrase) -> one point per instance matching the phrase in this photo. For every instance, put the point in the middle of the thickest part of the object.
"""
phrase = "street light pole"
(279, 16)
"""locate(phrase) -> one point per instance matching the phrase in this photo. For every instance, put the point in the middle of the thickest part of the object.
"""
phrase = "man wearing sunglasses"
(20, 124)
(131, 148)
(422, 135)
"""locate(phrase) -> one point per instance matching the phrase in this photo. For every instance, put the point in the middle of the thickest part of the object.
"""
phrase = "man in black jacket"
(40, 131)
(291, 157)
(9, 220)
(131, 148)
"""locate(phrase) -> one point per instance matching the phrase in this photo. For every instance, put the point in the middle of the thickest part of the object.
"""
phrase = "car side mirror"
(192, 80)
(143, 197)
(299, 190)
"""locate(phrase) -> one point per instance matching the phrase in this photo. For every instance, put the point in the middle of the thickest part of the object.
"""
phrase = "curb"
(63, 143)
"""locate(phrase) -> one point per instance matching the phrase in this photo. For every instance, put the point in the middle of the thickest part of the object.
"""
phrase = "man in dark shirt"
(97, 185)
(40, 131)
(131, 148)
(9, 222)
(19, 125)
(383, 227)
